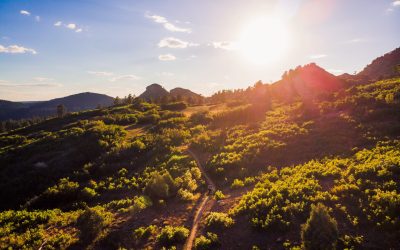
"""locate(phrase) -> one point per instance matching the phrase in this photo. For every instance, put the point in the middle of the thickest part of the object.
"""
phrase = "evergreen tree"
(117, 100)
(61, 110)
(320, 231)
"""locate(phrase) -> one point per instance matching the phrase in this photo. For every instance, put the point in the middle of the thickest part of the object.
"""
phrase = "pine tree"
(117, 100)
(61, 110)
(320, 231)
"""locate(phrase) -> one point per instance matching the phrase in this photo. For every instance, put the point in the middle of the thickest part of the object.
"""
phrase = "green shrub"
(174, 106)
(88, 193)
(218, 195)
(91, 222)
(201, 117)
(205, 243)
(160, 185)
(320, 231)
(143, 233)
(172, 235)
(237, 184)
(185, 195)
(218, 220)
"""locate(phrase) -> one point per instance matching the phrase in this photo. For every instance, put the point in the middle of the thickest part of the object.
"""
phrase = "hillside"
(306, 82)
(156, 92)
(249, 169)
(385, 66)
(73, 103)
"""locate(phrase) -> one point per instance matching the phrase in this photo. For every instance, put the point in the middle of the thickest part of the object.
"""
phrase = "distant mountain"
(156, 91)
(12, 105)
(153, 92)
(73, 103)
(184, 93)
(306, 82)
(385, 66)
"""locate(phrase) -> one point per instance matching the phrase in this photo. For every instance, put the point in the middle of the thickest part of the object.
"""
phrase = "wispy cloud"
(42, 79)
(173, 28)
(101, 73)
(175, 43)
(335, 71)
(396, 3)
(168, 74)
(317, 56)
(16, 49)
(167, 25)
(226, 45)
(25, 13)
(355, 40)
(71, 26)
(37, 82)
(112, 77)
(166, 57)
(31, 84)
(37, 18)
(124, 78)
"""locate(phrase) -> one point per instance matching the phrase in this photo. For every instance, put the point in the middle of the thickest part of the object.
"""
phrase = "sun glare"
(264, 40)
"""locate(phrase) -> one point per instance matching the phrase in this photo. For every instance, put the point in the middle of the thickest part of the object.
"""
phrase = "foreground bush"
(320, 230)
(172, 235)
(91, 222)
(219, 220)
(143, 233)
(174, 106)
(205, 243)
(160, 185)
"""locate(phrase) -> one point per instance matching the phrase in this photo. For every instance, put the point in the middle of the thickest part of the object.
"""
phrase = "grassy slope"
(110, 163)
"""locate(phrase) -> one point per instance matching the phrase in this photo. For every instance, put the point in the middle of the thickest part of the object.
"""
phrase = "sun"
(264, 40)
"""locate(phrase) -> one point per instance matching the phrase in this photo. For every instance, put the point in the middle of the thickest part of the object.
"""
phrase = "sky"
(54, 48)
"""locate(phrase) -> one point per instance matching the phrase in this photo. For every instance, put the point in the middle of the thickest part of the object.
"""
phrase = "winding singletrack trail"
(200, 209)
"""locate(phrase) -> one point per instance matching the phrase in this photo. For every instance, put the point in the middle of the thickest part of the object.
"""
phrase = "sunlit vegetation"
(207, 242)
(361, 191)
(121, 176)
(170, 236)
(219, 220)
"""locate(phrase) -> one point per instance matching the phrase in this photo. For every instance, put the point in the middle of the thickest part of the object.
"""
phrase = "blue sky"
(53, 48)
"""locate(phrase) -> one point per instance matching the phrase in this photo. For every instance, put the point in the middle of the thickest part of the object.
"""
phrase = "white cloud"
(37, 18)
(169, 74)
(113, 76)
(396, 3)
(45, 84)
(335, 71)
(157, 19)
(167, 57)
(101, 73)
(171, 42)
(25, 12)
(42, 79)
(355, 40)
(173, 28)
(71, 26)
(15, 49)
(124, 77)
(226, 45)
(317, 56)
(167, 25)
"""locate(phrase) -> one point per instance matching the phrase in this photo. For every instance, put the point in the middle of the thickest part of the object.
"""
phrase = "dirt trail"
(200, 209)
